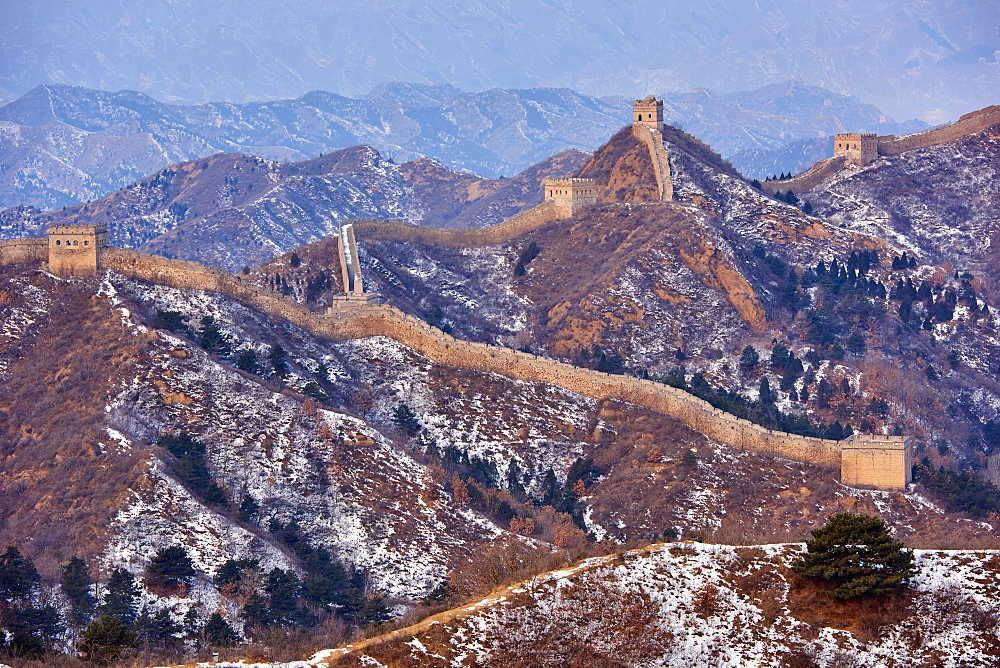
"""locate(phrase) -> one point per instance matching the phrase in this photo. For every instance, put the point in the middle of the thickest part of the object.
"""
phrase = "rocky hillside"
(700, 605)
(938, 203)
(316, 433)
(233, 210)
(680, 290)
(63, 145)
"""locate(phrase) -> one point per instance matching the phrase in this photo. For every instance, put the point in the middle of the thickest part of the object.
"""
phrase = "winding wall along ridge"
(871, 461)
(382, 320)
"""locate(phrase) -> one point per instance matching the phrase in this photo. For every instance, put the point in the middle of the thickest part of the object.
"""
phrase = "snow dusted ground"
(691, 604)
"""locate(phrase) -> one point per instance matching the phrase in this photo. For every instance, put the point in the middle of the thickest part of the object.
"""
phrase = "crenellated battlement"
(569, 195)
(74, 250)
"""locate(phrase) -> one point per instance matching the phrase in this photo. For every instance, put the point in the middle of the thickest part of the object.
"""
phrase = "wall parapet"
(23, 251)
(873, 461)
(515, 226)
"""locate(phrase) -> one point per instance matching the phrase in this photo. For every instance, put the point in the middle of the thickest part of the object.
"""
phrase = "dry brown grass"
(55, 483)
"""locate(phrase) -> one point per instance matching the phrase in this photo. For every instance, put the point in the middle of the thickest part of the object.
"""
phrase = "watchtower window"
(58, 243)
(640, 117)
(86, 243)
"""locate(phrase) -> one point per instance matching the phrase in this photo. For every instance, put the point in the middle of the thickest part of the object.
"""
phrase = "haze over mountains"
(63, 145)
(931, 60)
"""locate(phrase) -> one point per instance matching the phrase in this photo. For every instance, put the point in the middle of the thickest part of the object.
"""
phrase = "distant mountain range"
(924, 59)
(62, 145)
(233, 210)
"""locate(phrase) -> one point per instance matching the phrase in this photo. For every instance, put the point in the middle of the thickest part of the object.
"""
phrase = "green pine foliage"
(960, 491)
(856, 556)
(107, 640)
(278, 357)
(172, 321)
(170, 568)
(121, 597)
(76, 584)
(191, 467)
(18, 577)
(406, 420)
(211, 338)
(247, 360)
(249, 509)
(218, 633)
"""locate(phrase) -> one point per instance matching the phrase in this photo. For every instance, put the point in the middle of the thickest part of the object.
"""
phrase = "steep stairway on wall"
(658, 155)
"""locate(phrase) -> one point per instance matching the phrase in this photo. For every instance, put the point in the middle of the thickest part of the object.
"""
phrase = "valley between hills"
(138, 413)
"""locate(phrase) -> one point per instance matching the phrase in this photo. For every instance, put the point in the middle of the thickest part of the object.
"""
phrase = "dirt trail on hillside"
(326, 657)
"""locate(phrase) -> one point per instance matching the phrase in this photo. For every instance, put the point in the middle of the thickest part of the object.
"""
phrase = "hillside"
(937, 203)
(65, 145)
(697, 605)
(631, 287)
(234, 210)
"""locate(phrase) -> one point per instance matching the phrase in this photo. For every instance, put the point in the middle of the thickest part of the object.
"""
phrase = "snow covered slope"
(691, 604)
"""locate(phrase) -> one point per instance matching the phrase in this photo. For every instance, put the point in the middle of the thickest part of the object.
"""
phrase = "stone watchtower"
(74, 250)
(647, 127)
(569, 195)
(859, 148)
(648, 112)
(877, 462)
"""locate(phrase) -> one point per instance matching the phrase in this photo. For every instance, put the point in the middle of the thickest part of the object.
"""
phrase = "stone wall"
(976, 121)
(522, 223)
(809, 179)
(23, 251)
(869, 461)
(658, 156)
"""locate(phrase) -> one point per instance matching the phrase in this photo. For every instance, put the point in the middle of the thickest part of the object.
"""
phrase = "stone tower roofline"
(75, 249)
(568, 195)
(648, 112)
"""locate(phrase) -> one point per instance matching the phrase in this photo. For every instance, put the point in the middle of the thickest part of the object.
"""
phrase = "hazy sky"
(933, 59)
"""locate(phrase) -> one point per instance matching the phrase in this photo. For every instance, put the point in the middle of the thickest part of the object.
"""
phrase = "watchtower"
(649, 112)
(877, 462)
(860, 148)
(74, 250)
(570, 194)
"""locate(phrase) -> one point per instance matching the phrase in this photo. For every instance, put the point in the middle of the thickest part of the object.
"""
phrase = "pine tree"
(249, 508)
(406, 420)
(211, 338)
(766, 396)
(170, 568)
(856, 556)
(749, 358)
(278, 359)
(121, 600)
(218, 632)
(18, 576)
(107, 640)
(75, 584)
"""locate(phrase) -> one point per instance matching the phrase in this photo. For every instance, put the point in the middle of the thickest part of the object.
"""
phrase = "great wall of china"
(864, 460)
(863, 148)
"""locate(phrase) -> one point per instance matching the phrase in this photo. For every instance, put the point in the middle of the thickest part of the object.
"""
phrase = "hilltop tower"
(74, 250)
(859, 148)
(570, 195)
(647, 127)
(648, 112)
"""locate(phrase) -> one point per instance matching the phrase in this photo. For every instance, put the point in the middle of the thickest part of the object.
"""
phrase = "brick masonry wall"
(522, 223)
(968, 124)
(20, 251)
(878, 467)
(382, 320)
(810, 178)
(658, 155)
